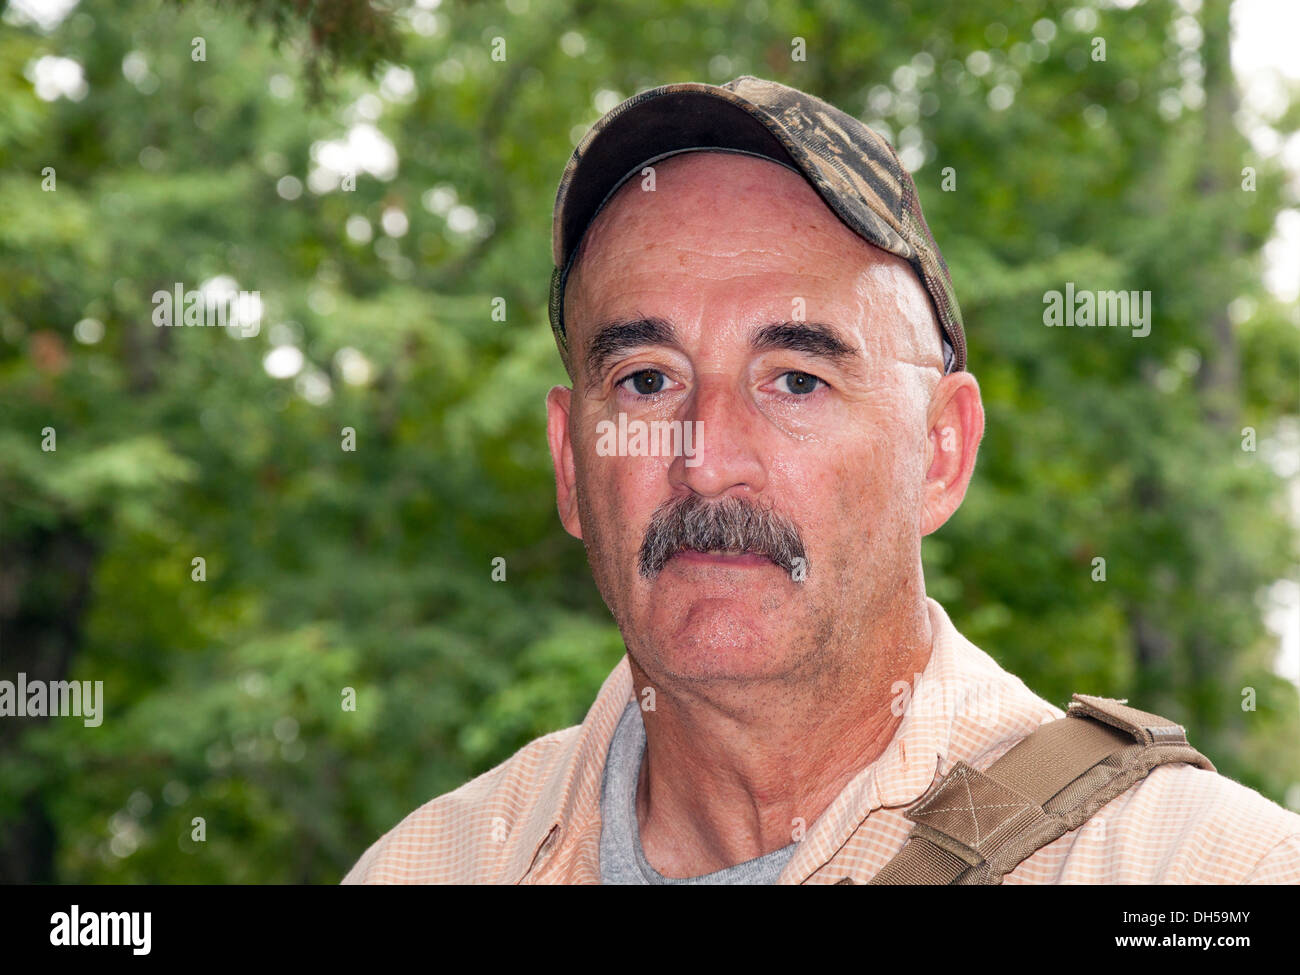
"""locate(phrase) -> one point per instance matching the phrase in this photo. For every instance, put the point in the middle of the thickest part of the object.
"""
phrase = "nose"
(726, 427)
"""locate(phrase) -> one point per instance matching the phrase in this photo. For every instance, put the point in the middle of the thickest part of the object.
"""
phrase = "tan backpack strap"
(973, 827)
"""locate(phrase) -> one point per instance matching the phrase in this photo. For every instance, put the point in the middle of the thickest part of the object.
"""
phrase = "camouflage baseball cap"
(854, 170)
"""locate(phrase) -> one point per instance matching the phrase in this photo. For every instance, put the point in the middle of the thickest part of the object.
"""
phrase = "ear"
(956, 424)
(566, 482)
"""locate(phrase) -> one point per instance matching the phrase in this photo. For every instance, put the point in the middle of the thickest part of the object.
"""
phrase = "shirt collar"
(572, 795)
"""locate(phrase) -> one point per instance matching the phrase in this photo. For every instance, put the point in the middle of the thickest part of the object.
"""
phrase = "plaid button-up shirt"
(535, 818)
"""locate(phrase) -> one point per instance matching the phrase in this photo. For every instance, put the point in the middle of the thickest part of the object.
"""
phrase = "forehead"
(702, 196)
(738, 233)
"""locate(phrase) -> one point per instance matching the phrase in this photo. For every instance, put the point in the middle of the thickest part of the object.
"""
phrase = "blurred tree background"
(371, 569)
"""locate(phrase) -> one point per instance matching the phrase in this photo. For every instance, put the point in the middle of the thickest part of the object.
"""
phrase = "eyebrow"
(616, 337)
(810, 338)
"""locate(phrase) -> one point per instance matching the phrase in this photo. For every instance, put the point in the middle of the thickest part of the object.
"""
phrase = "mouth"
(730, 559)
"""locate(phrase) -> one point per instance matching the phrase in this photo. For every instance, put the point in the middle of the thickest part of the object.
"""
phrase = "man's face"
(806, 359)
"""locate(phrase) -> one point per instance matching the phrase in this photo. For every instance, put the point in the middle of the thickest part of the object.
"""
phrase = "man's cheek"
(629, 476)
(616, 502)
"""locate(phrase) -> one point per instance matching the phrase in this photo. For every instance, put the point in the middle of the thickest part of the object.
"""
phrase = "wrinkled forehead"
(727, 192)
(717, 203)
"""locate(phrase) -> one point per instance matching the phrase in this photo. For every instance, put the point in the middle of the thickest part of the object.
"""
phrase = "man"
(748, 268)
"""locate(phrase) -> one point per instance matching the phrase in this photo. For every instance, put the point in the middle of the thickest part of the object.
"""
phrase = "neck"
(732, 772)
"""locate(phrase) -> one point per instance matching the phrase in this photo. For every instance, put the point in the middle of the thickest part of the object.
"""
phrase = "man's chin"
(718, 636)
(717, 589)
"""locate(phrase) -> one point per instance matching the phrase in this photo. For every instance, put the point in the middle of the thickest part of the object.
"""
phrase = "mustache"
(731, 524)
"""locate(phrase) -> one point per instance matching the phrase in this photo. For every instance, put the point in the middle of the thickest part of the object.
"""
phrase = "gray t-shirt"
(622, 859)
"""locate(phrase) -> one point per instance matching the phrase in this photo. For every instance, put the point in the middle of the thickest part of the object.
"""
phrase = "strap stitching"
(970, 807)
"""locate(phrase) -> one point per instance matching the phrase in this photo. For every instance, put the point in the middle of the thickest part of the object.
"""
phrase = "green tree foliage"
(372, 569)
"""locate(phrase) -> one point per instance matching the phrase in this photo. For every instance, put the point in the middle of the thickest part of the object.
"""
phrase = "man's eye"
(645, 383)
(799, 383)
